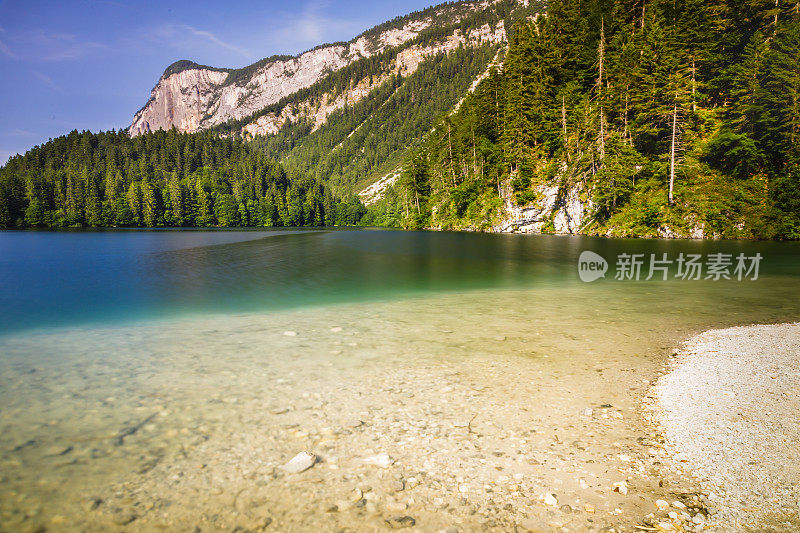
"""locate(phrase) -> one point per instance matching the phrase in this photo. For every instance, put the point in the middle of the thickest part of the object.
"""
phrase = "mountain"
(285, 141)
(193, 97)
(344, 113)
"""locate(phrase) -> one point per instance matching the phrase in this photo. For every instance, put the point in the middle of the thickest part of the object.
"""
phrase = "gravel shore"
(728, 411)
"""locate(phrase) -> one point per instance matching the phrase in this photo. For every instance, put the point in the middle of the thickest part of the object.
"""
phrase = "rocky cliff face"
(198, 98)
(406, 63)
(560, 210)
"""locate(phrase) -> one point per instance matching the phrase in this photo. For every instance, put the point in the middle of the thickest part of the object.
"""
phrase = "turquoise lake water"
(198, 337)
(94, 277)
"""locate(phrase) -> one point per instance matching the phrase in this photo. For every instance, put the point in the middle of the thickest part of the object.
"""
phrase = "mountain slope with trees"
(659, 118)
(388, 100)
(193, 97)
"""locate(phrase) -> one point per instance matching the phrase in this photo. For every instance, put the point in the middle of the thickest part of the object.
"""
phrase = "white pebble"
(300, 463)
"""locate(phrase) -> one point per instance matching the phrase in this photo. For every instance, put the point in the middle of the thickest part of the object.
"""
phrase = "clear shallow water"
(94, 277)
(134, 400)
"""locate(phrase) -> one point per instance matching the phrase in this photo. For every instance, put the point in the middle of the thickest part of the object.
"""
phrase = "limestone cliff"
(406, 63)
(192, 97)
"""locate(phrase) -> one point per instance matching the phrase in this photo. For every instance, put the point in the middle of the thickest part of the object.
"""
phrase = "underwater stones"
(123, 518)
(92, 503)
(699, 519)
(395, 507)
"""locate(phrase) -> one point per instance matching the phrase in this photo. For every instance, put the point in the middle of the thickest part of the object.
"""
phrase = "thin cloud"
(314, 26)
(5, 50)
(47, 80)
(187, 38)
(40, 45)
(216, 40)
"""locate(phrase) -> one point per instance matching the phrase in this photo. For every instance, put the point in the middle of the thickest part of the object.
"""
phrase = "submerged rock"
(381, 460)
(300, 463)
(400, 522)
(550, 499)
(123, 518)
(396, 506)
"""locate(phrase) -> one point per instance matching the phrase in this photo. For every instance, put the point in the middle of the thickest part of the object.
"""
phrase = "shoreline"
(727, 408)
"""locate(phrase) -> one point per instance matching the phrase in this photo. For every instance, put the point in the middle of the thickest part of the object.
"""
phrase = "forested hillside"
(164, 178)
(369, 136)
(664, 118)
(374, 133)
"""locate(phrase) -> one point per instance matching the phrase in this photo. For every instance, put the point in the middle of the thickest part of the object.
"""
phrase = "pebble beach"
(727, 410)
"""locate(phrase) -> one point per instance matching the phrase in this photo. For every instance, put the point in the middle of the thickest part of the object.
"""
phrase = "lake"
(159, 379)
(85, 277)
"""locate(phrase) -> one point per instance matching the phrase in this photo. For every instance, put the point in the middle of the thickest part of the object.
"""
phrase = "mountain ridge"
(192, 97)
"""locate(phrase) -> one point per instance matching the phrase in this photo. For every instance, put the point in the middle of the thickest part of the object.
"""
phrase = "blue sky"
(91, 64)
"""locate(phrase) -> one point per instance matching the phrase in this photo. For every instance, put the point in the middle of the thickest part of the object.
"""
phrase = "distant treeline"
(163, 178)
